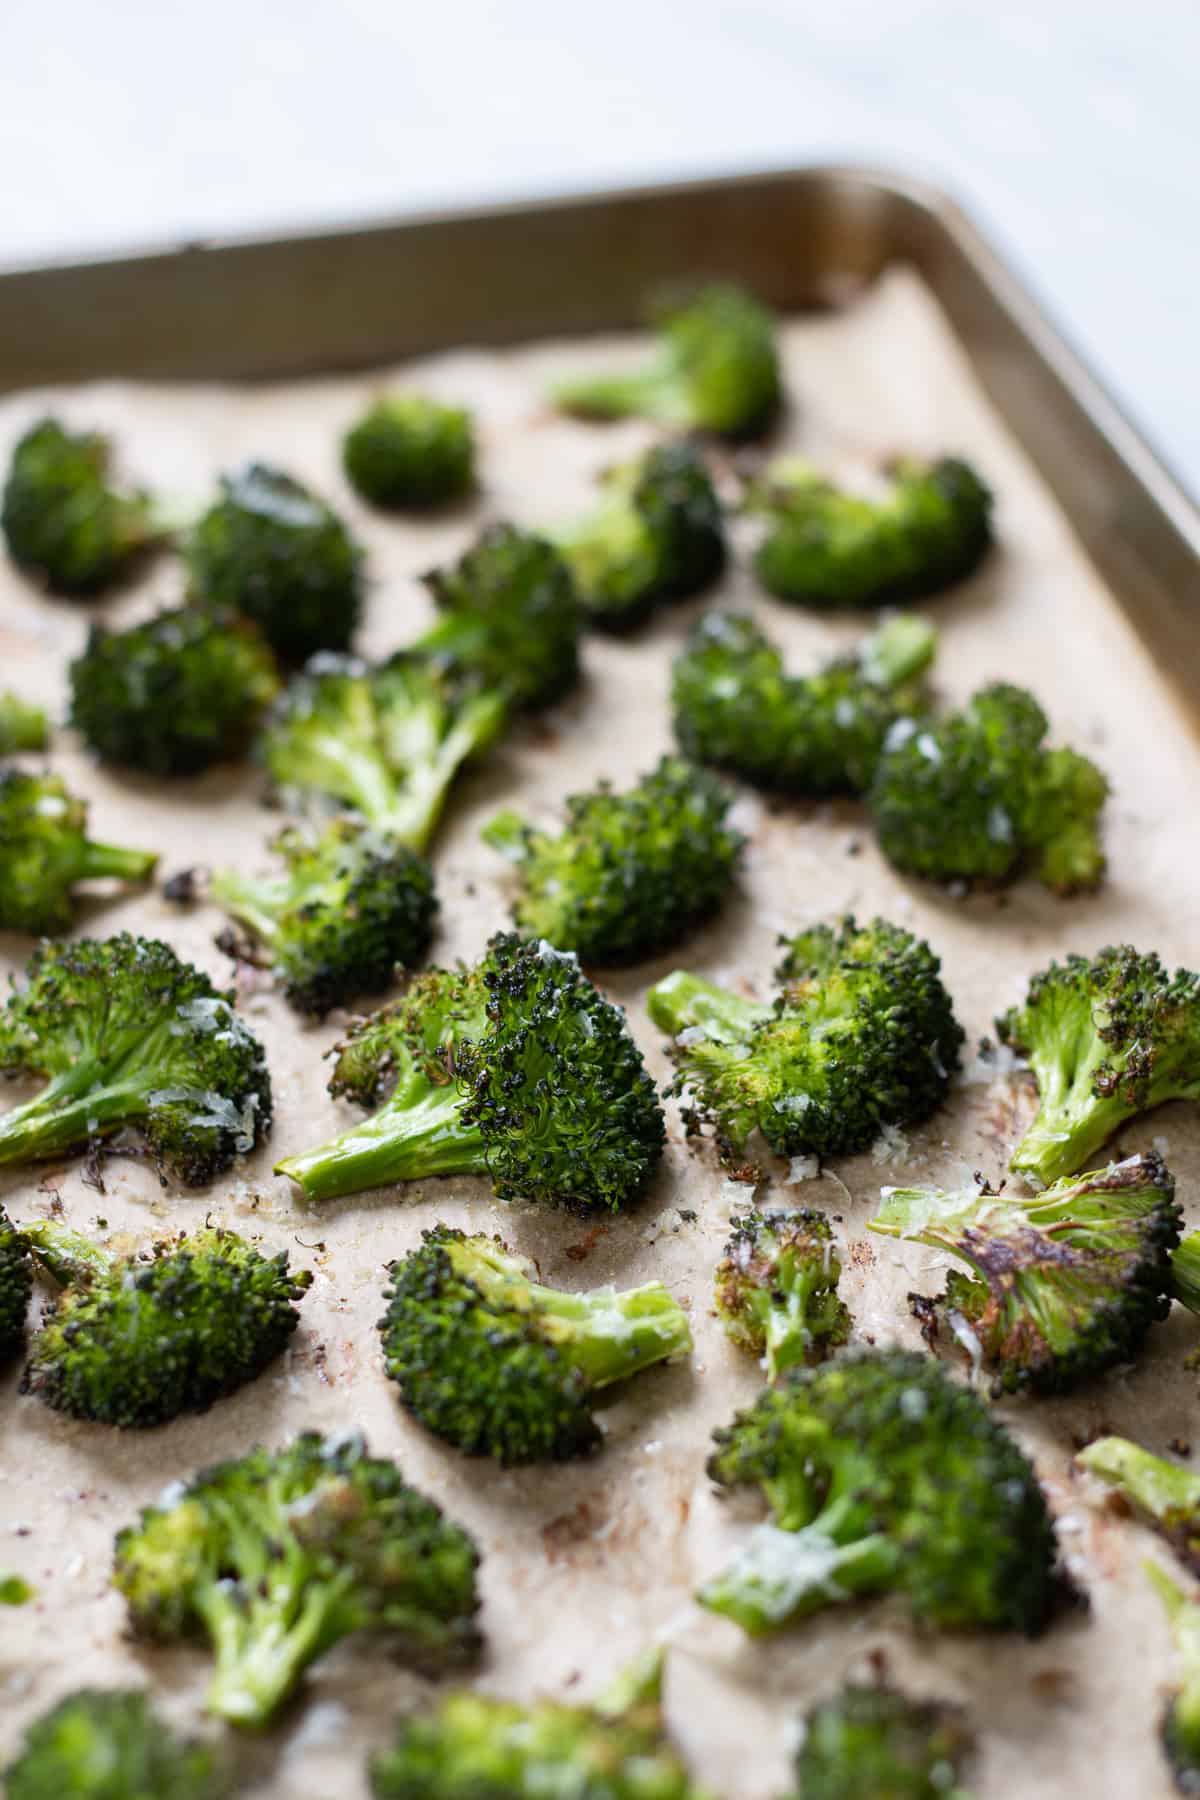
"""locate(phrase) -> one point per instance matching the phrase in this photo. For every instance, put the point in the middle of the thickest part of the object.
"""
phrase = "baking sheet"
(583, 1563)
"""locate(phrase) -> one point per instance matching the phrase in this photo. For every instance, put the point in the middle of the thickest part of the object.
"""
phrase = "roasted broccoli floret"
(62, 519)
(173, 695)
(1181, 1718)
(131, 1038)
(349, 908)
(45, 852)
(1063, 1284)
(517, 1069)
(630, 873)
(657, 534)
(874, 1743)
(16, 1285)
(716, 368)
(138, 1340)
(1107, 1037)
(883, 1476)
(22, 726)
(825, 547)
(272, 551)
(276, 1555)
(498, 1364)
(776, 1289)
(736, 707)
(102, 1744)
(977, 798)
(861, 1035)
(407, 450)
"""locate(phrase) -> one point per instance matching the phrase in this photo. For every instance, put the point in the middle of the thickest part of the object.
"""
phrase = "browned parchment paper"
(582, 1564)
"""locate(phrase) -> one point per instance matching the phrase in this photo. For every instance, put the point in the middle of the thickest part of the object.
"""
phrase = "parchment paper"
(583, 1563)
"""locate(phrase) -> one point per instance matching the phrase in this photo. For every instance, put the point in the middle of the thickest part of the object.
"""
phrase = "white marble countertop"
(1069, 127)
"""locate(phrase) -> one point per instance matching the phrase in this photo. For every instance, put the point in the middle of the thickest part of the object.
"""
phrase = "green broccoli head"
(407, 450)
(977, 798)
(861, 1035)
(275, 1556)
(775, 1289)
(1062, 1284)
(350, 907)
(883, 1476)
(656, 535)
(102, 1744)
(129, 1038)
(138, 1340)
(22, 726)
(16, 1285)
(630, 873)
(716, 369)
(62, 520)
(736, 707)
(45, 851)
(1107, 1037)
(1180, 1729)
(498, 1364)
(173, 695)
(874, 1743)
(519, 1070)
(824, 547)
(272, 551)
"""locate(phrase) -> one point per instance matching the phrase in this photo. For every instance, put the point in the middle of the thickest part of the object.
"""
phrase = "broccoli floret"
(883, 1476)
(977, 798)
(276, 1555)
(656, 535)
(131, 1038)
(1063, 1284)
(62, 520)
(498, 1364)
(22, 726)
(350, 907)
(1107, 1037)
(108, 1745)
(824, 547)
(820, 734)
(630, 873)
(861, 1035)
(1180, 1729)
(874, 1743)
(776, 1289)
(272, 551)
(45, 852)
(16, 1285)
(517, 1069)
(138, 1340)
(173, 695)
(716, 369)
(407, 450)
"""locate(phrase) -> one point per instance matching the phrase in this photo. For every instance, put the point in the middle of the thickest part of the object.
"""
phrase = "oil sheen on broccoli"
(138, 1340)
(45, 853)
(824, 547)
(63, 520)
(736, 707)
(630, 873)
(129, 1038)
(1107, 1037)
(275, 1556)
(883, 1475)
(347, 910)
(716, 369)
(978, 798)
(172, 695)
(16, 1286)
(656, 535)
(498, 1364)
(408, 451)
(871, 1742)
(269, 549)
(516, 1069)
(775, 1289)
(1061, 1285)
(861, 1034)
(107, 1744)
(22, 725)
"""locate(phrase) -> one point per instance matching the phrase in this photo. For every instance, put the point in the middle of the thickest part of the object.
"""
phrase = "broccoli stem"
(68, 1111)
(1185, 1272)
(780, 1575)
(69, 1256)
(1071, 1124)
(507, 834)
(418, 1133)
(899, 650)
(788, 1321)
(1159, 1488)
(97, 860)
(651, 393)
(681, 1002)
(262, 1650)
(414, 813)
(253, 902)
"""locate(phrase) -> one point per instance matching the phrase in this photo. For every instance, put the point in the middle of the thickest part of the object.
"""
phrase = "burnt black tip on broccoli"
(63, 520)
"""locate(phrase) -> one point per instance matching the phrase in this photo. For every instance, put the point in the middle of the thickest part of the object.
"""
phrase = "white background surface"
(1071, 128)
